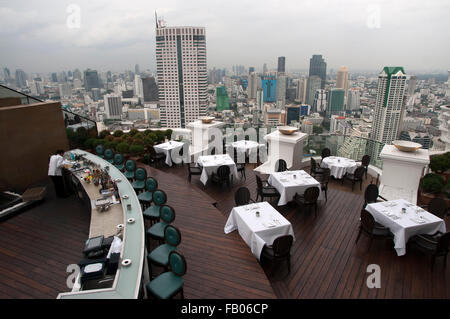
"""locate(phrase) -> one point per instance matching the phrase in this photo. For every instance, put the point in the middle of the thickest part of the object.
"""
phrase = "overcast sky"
(39, 36)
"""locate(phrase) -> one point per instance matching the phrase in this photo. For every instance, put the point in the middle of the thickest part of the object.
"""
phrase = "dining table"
(210, 164)
(339, 166)
(258, 224)
(167, 148)
(405, 220)
(288, 183)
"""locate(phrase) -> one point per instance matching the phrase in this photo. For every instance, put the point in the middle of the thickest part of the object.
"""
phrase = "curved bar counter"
(127, 280)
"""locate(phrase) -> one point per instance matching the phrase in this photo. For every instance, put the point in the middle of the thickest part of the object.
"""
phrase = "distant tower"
(302, 85)
(342, 80)
(113, 106)
(138, 87)
(252, 85)
(314, 84)
(317, 66)
(265, 70)
(281, 64)
(136, 69)
(412, 82)
(182, 74)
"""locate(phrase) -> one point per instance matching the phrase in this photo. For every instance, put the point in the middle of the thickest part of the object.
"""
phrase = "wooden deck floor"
(325, 262)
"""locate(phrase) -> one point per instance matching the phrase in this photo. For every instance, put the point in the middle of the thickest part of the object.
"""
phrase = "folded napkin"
(269, 224)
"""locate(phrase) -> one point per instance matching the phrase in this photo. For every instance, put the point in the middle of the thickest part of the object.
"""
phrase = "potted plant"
(431, 186)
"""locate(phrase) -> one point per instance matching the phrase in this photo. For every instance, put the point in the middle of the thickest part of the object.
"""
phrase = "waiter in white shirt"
(55, 172)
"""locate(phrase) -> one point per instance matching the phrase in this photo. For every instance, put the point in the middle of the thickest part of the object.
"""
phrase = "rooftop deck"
(37, 245)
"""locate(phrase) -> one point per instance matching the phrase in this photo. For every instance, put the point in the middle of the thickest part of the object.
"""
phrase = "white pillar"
(402, 172)
(286, 147)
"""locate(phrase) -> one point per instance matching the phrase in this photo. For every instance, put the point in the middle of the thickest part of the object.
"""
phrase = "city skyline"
(116, 36)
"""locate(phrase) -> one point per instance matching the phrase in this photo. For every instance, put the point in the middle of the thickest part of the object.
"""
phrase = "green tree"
(123, 148)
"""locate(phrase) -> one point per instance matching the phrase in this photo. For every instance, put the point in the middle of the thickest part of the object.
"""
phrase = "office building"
(281, 90)
(113, 106)
(251, 69)
(318, 67)
(265, 69)
(91, 80)
(353, 99)
(138, 87)
(77, 74)
(320, 101)
(21, 78)
(335, 102)
(269, 86)
(412, 83)
(150, 89)
(222, 100)
(305, 109)
(252, 85)
(281, 64)
(260, 99)
(54, 77)
(182, 74)
(302, 85)
(65, 90)
(389, 104)
(136, 70)
(313, 84)
(7, 75)
(342, 80)
(292, 114)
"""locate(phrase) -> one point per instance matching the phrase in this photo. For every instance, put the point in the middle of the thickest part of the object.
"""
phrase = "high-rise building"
(91, 80)
(320, 101)
(314, 84)
(302, 85)
(138, 87)
(251, 69)
(260, 99)
(113, 106)
(136, 69)
(412, 82)
(54, 77)
(265, 69)
(269, 85)
(342, 80)
(252, 85)
(182, 74)
(77, 74)
(21, 78)
(389, 104)
(353, 99)
(292, 114)
(150, 89)
(318, 67)
(222, 100)
(281, 64)
(281, 90)
(7, 75)
(335, 102)
(65, 90)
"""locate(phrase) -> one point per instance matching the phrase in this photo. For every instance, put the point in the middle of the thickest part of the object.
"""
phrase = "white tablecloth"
(167, 148)
(338, 165)
(211, 163)
(404, 226)
(258, 231)
(288, 183)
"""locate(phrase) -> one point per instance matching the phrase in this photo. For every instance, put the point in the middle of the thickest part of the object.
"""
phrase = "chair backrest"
(172, 235)
(359, 172)
(438, 207)
(99, 149)
(280, 165)
(443, 243)
(167, 214)
(118, 159)
(365, 160)
(313, 165)
(325, 176)
(367, 221)
(311, 195)
(371, 193)
(177, 263)
(141, 174)
(326, 152)
(130, 165)
(242, 196)
(282, 245)
(109, 154)
(151, 184)
(223, 172)
(159, 197)
(259, 183)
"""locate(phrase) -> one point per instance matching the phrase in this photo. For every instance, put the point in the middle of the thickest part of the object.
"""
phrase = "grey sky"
(117, 34)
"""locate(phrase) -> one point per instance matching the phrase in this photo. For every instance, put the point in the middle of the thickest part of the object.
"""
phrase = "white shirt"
(54, 167)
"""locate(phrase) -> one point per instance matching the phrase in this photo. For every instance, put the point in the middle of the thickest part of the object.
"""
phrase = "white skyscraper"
(252, 86)
(389, 104)
(353, 99)
(113, 106)
(182, 74)
(281, 90)
(138, 87)
(300, 95)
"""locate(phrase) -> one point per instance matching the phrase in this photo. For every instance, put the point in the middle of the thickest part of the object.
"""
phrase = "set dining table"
(167, 148)
(247, 147)
(258, 224)
(338, 165)
(210, 164)
(288, 183)
(405, 220)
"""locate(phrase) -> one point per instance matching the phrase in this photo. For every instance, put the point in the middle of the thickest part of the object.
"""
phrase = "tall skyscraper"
(113, 106)
(342, 80)
(353, 99)
(269, 85)
(260, 99)
(281, 64)
(150, 89)
(222, 100)
(265, 69)
(21, 78)
(252, 86)
(138, 87)
(412, 82)
(7, 74)
(335, 102)
(317, 66)
(389, 104)
(312, 86)
(77, 74)
(302, 85)
(281, 90)
(136, 69)
(320, 101)
(54, 77)
(182, 74)
(91, 80)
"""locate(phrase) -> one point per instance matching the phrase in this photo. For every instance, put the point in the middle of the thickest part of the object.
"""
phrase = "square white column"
(205, 135)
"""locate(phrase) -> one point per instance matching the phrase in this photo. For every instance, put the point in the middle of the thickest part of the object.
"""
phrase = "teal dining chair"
(152, 213)
(100, 150)
(145, 198)
(140, 176)
(109, 155)
(167, 215)
(160, 255)
(118, 161)
(130, 167)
